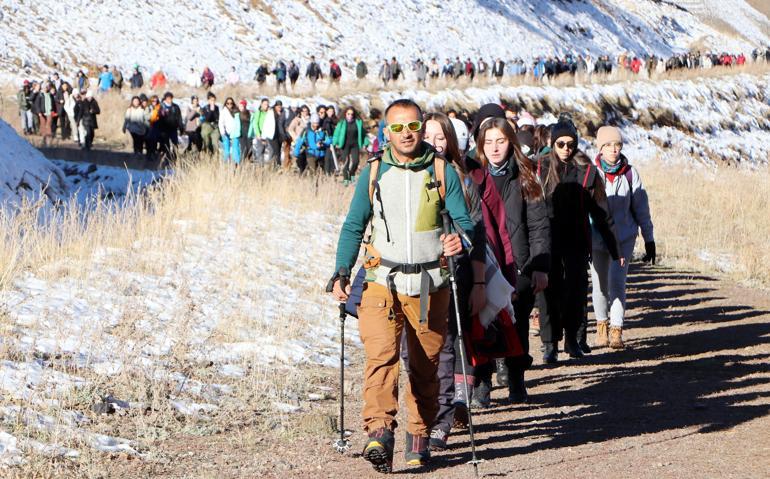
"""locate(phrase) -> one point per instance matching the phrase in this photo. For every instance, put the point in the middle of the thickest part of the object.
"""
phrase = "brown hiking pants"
(381, 336)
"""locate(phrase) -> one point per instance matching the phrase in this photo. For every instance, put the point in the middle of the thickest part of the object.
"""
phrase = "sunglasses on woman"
(570, 145)
(411, 126)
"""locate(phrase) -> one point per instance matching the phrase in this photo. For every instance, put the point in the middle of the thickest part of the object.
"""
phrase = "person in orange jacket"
(158, 80)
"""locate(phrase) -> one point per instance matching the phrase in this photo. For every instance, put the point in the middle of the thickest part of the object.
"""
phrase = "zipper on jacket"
(407, 202)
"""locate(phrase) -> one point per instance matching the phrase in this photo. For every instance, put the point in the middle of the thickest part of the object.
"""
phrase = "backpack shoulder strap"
(439, 167)
(629, 174)
(589, 169)
(374, 171)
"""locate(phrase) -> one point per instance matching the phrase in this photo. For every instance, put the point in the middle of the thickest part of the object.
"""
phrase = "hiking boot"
(572, 348)
(550, 353)
(602, 335)
(417, 452)
(460, 397)
(502, 373)
(481, 395)
(616, 338)
(379, 450)
(438, 438)
(517, 389)
(461, 416)
(584, 347)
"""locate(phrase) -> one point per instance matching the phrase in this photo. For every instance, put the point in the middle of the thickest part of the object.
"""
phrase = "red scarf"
(493, 212)
(611, 176)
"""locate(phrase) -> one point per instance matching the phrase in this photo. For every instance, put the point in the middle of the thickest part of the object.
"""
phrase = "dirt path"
(689, 398)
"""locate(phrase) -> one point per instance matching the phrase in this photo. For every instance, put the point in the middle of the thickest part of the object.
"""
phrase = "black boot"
(550, 352)
(517, 389)
(502, 373)
(572, 348)
(481, 395)
(582, 338)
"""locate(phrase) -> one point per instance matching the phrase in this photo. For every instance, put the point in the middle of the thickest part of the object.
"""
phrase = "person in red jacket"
(158, 80)
(636, 65)
(207, 78)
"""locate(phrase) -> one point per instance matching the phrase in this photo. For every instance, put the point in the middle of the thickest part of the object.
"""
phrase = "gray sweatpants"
(609, 284)
(263, 151)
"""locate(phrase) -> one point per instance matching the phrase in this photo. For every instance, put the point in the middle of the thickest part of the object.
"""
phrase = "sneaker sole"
(379, 459)
(417, 462)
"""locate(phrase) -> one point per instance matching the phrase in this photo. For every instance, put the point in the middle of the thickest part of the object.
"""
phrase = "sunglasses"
(570, 145)
(411, 126)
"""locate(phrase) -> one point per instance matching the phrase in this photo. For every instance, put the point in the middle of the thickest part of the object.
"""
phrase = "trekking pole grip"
(446, 221)
(344, 276)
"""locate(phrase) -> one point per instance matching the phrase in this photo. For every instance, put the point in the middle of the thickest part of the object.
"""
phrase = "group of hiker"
(532, 214)
(263, 132)
(539, 67)
(50, 107)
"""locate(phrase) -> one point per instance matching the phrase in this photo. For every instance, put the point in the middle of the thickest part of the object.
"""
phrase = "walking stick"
(342, 445)
(453, 281)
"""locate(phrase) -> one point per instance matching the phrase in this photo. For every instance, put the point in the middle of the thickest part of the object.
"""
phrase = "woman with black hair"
(350, 138)
(576, 199)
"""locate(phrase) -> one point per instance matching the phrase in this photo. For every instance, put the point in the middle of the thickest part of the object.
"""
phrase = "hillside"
(179, 34)
(25, 174)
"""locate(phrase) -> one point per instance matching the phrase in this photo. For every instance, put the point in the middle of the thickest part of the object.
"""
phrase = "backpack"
(371, 257)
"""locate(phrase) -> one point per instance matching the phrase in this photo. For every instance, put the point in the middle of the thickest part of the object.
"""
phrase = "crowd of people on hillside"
(50, 107)
(539, 67)
(532, 214)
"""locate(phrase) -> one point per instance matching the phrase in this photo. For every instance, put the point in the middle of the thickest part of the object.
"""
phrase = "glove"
(649, 252)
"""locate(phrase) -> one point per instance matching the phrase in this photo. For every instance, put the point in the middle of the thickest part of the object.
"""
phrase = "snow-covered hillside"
(25, 173)
(180, 34)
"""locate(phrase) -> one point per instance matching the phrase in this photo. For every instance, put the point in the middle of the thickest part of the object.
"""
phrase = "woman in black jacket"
(574, 192)
(527, 225)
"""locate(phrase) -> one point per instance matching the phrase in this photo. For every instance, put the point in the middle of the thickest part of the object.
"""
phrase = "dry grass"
(716, 221)
(762, 6)
(60, 245)
(711, 211)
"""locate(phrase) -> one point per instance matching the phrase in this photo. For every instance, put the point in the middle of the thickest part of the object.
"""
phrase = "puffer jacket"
(229, 123)
(311, 138)
(627, 203)
(136, 121)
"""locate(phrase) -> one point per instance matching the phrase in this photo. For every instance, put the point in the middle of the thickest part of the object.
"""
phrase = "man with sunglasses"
(406, 284)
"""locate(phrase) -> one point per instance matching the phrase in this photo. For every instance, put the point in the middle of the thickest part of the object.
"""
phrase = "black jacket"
(170, 118)
(86, 111)
(570, 205)
(210, 115)
(280, 127)
(137, 81)
(526, 221)
(38, 103)
(498, 69)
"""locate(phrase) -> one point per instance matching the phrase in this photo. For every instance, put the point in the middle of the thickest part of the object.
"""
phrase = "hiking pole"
(453, 281)
(334, 157)
(342, 445)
